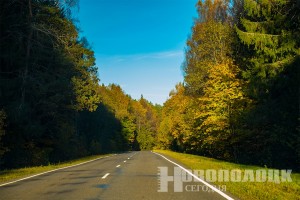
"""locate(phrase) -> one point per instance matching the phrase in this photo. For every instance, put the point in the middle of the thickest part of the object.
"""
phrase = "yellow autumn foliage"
(222, 95)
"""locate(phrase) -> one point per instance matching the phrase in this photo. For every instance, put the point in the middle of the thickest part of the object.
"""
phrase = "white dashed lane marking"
(106, 175)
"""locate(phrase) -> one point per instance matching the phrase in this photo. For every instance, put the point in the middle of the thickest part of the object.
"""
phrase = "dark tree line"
(47, 76)
(52, 107)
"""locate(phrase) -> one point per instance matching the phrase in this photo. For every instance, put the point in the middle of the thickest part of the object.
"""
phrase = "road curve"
(132, 175)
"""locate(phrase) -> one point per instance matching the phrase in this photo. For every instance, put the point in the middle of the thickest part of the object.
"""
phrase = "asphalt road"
(133, 175)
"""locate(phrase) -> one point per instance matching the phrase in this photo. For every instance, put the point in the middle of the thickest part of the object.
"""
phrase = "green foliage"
(138, 119)
(266, 28)
(269, 126)
(147, 124)
(240, 100)
(48, 84)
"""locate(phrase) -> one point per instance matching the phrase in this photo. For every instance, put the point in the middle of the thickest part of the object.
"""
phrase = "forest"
(239, 100)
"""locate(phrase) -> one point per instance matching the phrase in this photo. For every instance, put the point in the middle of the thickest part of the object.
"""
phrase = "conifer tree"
(267, 27)
(268, 33)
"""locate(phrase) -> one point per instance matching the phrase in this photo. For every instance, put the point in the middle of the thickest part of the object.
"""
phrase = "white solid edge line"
(52, 171)
(106, 175)
(199, 179)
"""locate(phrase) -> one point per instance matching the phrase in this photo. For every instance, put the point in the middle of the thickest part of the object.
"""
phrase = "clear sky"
(138, 44)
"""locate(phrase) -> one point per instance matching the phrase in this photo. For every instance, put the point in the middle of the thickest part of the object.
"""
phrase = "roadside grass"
(243, 190)
(15, 174)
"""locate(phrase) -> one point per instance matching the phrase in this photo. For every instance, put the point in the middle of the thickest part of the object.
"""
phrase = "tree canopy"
(239, 100)
(241, 71)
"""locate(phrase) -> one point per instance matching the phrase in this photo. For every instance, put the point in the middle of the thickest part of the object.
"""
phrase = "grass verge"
(15, 174)
(243, 190)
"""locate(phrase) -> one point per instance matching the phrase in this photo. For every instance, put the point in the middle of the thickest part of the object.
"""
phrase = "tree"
(220, 107)
(47, 75)
(209, 44)
(147, 124)
(268, 34)
(121, 105)
(176, 127)
(240, 99)
(211, 78)
(268, 29)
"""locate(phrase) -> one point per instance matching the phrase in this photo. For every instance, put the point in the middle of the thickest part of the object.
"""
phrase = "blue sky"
(138, 44)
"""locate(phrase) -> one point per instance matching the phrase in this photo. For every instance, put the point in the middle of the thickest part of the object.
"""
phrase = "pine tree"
(267, 28)
(269, 35)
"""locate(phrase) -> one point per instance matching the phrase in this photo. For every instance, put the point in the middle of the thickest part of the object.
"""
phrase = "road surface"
(132, 175)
